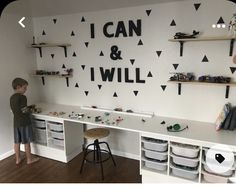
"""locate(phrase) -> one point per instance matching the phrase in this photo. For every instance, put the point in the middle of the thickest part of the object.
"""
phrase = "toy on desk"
(74, 115)
(54, 113)
(94, 107)
(129, 111)
(163, 122)
(143, 120)
(175, 128)
(106, 113)
(118, 109)
(119, 119)
(98, 118)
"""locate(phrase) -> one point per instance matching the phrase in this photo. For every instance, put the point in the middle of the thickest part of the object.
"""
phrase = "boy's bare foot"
(18, 161)
(33, 160)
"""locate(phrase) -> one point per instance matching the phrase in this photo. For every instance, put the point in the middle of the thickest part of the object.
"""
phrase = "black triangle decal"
(115, 95)
(233, 69)
(163, 87)
(72, 33)
(205, 59)
(132, 61)
(83, 66)
(83, 19)
(197, 5)
(101, 54)
(86, 93)
(43, 33)
(158, 53)
(99, 87)
(148, 12)
(140, 42)
(74, 54)
(149, 74)
(63, 66)
(175, 66)
(76, 85)
(52, 55)
(173, 23)
(135, 93)
(86, 44)
(54, 21)
(220, 21)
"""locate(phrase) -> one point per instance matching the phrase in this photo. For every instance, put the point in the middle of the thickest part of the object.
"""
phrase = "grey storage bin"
(155, 155)
(155, 144)
(57, 142)
(185, 150)
(40, 135)
(53, 126)
(184, 161)
(183, 173)
(39, 123)
(153, 164)
(57, 135)
(211, 178)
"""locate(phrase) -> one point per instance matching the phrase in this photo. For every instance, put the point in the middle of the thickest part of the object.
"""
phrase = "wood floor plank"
(50, 171)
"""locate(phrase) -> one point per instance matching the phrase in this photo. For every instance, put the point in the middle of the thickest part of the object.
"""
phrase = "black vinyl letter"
(92, 30)
(121, 29)
(127, 76)
(108, 74)
(92, 74)
(105, 30)
(119, 74)
(133, 28)
(138, 76)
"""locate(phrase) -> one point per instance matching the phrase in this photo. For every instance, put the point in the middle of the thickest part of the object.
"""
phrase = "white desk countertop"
(199, 133)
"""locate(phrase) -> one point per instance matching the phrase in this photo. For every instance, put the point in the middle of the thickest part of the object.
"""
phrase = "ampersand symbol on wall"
(115, 53)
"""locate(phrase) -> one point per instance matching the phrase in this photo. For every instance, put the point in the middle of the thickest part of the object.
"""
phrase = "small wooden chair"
(96, 134)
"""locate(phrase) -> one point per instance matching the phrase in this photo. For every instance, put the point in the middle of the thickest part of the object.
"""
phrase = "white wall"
(16, 60)
(197, 102)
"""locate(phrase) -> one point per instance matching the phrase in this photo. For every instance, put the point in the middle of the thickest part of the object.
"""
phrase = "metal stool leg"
(100, 160)
(84, 157)
(110, 152)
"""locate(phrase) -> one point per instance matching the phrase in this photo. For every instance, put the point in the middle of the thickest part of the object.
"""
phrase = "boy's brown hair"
(18, 82)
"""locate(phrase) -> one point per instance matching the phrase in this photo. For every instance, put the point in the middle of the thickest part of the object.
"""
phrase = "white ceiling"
(41, 8)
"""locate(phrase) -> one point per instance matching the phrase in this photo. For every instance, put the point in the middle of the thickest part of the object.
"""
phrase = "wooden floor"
(50, 171)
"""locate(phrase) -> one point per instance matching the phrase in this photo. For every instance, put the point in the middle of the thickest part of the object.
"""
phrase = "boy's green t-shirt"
(17, 103)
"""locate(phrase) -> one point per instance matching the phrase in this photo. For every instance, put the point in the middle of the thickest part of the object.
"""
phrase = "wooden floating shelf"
(50, 45)
(204, 83)
(40, 46)
(227, 85)
(55, 76)
(216, 38)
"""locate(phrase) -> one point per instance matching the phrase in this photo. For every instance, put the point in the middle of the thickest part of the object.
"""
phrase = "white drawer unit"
(185, 150)
(154, 144)
(212, 178)
(39, 123)
(184, 161)
(40, 135)
(54, 126)
(182, 172)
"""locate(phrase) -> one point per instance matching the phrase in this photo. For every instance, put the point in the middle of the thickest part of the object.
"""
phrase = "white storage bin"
(155, 155)
(214, 178)
(185, 150)
(183, 173)
(152, 164)
(155, 144)
(57, 135)
(39, 123)
(184, 161)
(207, 169)
(58, 142)
(53, 126)
(40, 135)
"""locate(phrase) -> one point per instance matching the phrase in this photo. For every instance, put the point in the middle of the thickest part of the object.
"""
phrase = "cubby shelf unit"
(227, 85)
(216, 38)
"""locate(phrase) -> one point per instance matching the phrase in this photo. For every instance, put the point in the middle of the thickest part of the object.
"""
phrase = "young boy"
(22, 123)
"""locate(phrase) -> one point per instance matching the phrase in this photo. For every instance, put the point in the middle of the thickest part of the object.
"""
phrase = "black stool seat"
(96, 134)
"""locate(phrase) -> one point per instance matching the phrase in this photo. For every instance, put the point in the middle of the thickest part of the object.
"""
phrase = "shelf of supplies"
(227, 85)
(40, 46)
(55, 76)
(216, 38)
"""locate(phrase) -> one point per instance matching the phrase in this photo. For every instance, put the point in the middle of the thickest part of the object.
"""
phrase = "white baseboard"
(7, 154)
(125, 154)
